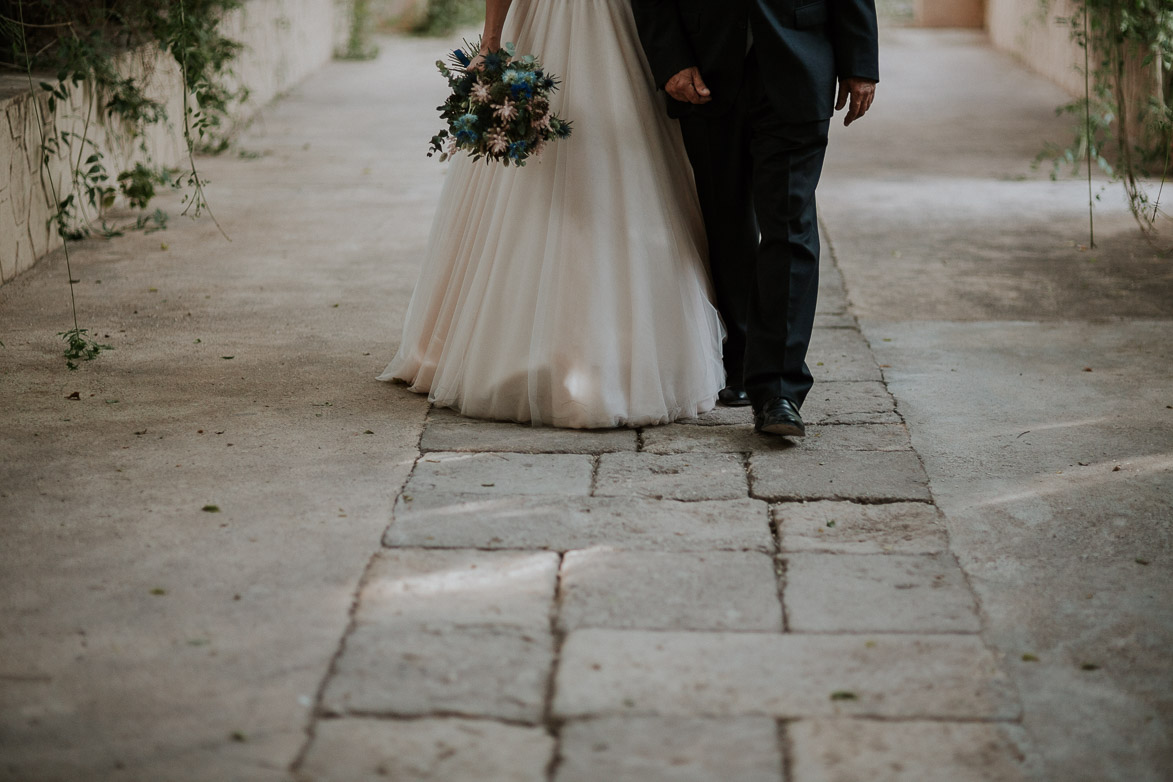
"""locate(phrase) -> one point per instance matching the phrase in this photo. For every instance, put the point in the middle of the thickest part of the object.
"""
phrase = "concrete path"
(388, 592)
(1036, 378)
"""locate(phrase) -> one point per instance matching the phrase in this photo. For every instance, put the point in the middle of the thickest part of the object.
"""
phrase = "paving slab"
(850, 402)
(426, 750)
(448, 431)
(868, 476)
(632, 672)
(901, 593)
(689, 477)
(841, 354)
(856, 437)
(720, 416)
(710, 438)
(654, 749)
(684, 438)
(501, 474)
(852, 750)
(720, 590)
(457, 632)
(564, 523)
(856, 528)
(393, 670)
(412, 588)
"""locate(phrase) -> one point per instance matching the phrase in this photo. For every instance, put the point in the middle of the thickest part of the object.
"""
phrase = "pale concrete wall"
(284, 41)
(1024, 29)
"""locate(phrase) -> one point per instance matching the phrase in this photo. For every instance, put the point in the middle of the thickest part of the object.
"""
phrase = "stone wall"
(284, 41)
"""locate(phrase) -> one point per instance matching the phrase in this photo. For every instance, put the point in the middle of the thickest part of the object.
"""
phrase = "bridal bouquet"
(499, 112)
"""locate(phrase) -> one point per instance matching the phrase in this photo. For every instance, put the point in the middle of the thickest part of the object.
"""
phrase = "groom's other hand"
(860, 92)
(688, 87)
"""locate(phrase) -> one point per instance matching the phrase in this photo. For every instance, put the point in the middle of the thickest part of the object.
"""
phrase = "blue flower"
(522, 90)
(517, 150)
(465, 122)
(493, 61)
(466, 137)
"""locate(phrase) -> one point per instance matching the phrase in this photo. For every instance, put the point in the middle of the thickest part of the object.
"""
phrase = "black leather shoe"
(733, 396)
(779, 416)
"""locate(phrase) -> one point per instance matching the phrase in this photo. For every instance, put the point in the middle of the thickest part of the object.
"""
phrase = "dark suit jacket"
(802, 47)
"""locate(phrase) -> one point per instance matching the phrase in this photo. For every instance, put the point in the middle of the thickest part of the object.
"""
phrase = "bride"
(571, 292)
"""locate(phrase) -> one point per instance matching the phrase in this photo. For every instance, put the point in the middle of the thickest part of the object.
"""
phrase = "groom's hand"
(688, 87)
(860, 92)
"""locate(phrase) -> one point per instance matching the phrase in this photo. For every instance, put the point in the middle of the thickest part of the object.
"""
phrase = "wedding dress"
(571, 292)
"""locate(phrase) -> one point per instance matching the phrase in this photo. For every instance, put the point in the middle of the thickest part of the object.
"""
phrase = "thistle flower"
(493, 62)
(517, 150)
(480, 93)
(497, 140)
(506, 112)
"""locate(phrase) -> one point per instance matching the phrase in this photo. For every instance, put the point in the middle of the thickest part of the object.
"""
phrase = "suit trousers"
(756, 175)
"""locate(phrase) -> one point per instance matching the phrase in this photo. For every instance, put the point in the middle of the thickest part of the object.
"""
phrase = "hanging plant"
(1125, 118)
(86, 45)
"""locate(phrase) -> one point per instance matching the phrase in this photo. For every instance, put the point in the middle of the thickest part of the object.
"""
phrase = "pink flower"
(497, 141)
(480, 93)
(506, 111)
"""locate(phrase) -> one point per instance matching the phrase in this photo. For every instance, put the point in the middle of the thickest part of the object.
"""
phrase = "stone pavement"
(390, 592)
(688, 601)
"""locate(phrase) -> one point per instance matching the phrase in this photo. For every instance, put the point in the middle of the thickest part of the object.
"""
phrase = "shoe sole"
(738, 403)
(785, 430)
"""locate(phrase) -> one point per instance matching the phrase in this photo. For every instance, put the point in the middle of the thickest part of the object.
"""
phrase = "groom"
(754, 84)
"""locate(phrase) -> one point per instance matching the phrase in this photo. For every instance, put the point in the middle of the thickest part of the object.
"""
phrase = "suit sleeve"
(855, 38)
(663, 38)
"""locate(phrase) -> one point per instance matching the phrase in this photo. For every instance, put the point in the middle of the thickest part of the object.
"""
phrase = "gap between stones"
(316, 710)
(557, 637)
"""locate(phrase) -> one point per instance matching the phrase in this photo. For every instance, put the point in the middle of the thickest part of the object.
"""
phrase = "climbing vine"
(1124, 121)
(104, 50)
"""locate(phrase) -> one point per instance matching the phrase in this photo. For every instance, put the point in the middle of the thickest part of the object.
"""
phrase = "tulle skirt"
(571, 292)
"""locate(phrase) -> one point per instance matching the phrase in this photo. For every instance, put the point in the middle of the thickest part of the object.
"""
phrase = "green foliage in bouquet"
(499, 111)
